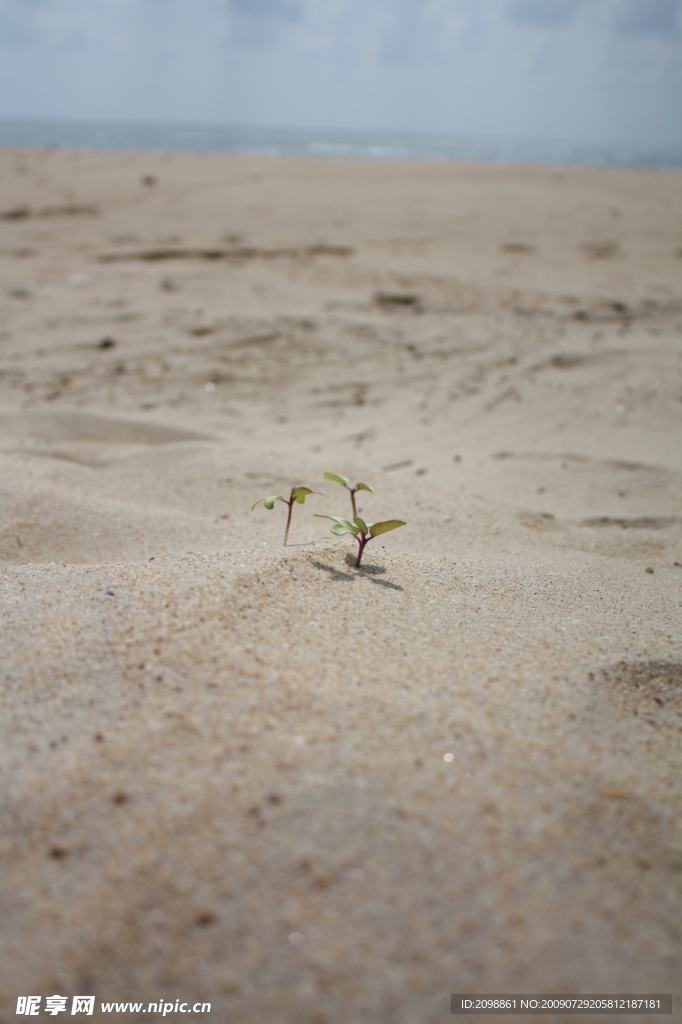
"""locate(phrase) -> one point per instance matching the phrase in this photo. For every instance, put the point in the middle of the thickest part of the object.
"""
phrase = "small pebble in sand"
(296, 938)
(204, 918)
(650, 571)
(449, 758)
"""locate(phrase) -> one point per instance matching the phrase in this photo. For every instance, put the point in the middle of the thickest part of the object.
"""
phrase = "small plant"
(298, 494)
(345, 482)
(362, 531)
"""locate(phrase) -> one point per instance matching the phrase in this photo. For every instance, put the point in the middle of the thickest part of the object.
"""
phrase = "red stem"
(363, 542)
(352, 499)
(291, 506)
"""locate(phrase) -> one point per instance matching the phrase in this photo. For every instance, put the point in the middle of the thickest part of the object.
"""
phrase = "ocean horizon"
(374, 145)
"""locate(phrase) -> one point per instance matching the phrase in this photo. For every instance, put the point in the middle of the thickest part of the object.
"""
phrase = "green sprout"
(362, 531)
(298, 494)
(345, 482)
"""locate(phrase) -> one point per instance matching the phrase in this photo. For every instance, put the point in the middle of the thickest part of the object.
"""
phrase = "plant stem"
(352, 499)
(291, 507)
(362, 541)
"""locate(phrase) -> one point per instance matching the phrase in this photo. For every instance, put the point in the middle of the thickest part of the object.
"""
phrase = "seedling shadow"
(336, 574)
(386, 584)
(368, 571)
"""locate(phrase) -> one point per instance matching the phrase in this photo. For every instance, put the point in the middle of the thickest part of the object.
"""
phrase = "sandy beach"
(251, 775)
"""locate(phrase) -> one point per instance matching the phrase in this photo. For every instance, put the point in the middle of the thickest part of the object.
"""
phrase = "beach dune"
(251, 775)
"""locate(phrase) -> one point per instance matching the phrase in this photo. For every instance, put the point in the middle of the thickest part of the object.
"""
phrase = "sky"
(576, 70)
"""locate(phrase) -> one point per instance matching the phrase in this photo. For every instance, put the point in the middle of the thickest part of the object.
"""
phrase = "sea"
(373, 145)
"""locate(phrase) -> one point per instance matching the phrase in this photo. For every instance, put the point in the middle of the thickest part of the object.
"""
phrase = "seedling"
(362, 531)
(345, 482)
(298, 494)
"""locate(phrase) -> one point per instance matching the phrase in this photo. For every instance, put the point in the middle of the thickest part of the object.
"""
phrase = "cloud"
(258, 24)
(17, 20)
(274, 10)
(642, 16)
(543, 13)
(583, 69)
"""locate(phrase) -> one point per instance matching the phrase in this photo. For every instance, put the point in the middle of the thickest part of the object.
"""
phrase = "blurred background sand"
(250, 775)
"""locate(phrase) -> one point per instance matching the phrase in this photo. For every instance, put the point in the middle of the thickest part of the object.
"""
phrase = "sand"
(254, 776)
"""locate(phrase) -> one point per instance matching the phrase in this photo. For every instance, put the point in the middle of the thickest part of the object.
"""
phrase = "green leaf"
(269, 502)
(343, 480)
(390, 524)
(340, 529)
(361, 524)
(341, 526)
(364, 487)
(301, 493)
